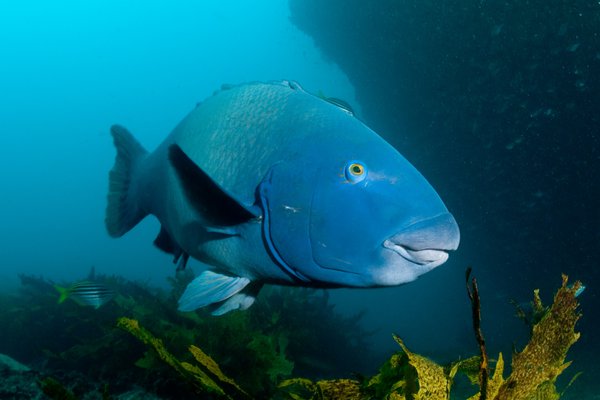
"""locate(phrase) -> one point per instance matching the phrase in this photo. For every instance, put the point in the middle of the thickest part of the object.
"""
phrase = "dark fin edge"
(216, 205)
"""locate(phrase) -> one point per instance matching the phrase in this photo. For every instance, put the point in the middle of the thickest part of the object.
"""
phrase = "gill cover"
(285, 197)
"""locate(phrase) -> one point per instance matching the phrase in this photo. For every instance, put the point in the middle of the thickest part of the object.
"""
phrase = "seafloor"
(291, 345)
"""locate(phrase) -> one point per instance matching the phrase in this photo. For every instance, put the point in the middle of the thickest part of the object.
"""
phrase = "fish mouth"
(429, 257)
(426, 242)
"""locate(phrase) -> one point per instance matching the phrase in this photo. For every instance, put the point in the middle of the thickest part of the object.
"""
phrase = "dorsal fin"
(343, 104)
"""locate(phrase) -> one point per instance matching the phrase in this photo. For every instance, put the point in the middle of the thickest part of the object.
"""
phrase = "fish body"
(86, 293)
(266, 183)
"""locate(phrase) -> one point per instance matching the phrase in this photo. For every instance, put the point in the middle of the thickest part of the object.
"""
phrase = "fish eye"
(355, 171)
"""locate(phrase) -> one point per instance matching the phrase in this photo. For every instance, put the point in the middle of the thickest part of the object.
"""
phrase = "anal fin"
(164, 242)
(181, 259)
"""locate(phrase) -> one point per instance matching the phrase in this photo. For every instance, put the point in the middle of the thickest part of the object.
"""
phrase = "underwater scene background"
(496, 103)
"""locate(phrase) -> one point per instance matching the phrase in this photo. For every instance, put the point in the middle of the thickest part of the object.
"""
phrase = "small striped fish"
(86, 293)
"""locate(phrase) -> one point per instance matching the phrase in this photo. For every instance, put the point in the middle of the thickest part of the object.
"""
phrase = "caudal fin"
(63, 293)
(122, 211)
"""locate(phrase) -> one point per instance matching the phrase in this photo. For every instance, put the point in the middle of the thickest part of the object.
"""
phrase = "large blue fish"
(266, 183)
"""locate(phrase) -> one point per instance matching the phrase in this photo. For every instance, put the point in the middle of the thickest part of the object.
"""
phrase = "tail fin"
(63, 292)
(122, 211)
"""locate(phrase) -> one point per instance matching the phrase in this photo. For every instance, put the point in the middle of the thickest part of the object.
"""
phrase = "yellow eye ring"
(355, 171)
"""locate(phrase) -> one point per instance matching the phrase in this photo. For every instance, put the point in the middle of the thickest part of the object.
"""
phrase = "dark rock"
(17, 381)
(10, 364)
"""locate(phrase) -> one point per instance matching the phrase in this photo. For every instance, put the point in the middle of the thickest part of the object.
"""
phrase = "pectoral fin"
(221, 209)
(208, 288)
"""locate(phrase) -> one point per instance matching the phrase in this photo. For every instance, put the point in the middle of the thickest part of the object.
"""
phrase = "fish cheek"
(343, 226)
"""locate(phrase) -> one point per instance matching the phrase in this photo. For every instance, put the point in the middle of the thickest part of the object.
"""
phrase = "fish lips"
(426, 243)
(429, 257)
(420, 257)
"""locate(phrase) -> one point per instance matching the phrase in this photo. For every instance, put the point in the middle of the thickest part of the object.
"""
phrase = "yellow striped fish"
(86, 293)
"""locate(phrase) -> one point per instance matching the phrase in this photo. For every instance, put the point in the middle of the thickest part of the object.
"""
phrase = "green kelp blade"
(495, 381)
(332, 389)
(196, 376)
(552, 337)
(213, 368)
(55, 390)
(297, 389)
(433, 382)
(468, 367)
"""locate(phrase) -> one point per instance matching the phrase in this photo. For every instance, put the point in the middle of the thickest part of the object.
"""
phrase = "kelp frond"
(205, 377)
(409, 376)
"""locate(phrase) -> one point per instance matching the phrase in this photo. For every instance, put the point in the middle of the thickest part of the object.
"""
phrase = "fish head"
(381, 221)
(357, 215)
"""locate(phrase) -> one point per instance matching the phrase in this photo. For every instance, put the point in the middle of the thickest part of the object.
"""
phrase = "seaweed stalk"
(473, 293)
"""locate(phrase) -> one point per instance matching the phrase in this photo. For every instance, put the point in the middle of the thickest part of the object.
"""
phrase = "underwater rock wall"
(495, 102)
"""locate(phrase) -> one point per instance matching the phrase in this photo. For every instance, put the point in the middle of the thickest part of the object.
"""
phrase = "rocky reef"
(139, 342)
(83, 353)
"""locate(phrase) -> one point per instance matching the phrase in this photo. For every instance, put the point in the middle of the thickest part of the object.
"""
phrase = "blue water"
(70, 69)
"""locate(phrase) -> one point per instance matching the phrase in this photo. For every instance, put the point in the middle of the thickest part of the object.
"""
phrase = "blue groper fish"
(267, 183)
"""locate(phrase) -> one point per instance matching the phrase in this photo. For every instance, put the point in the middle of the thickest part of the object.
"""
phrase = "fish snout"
(427, 241)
